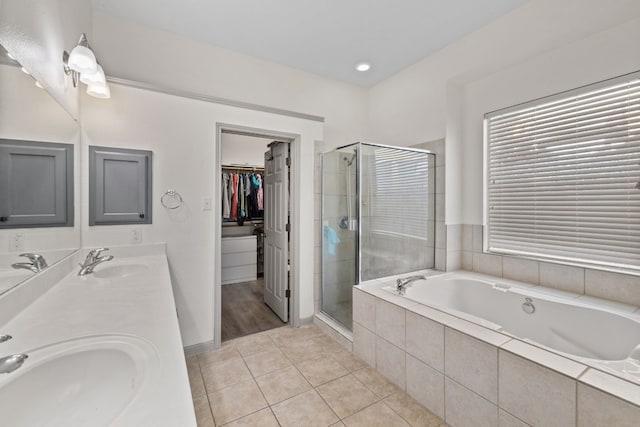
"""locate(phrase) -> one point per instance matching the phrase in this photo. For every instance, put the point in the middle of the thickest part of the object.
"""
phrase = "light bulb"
(99, 91)
(93, 79)
(82, 60)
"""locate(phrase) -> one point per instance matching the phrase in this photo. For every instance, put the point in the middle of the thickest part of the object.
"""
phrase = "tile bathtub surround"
(473, 376)
(613, 286)
(317, 382)
(472, 363)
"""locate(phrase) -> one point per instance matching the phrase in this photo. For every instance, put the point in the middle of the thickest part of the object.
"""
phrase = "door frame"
(294, 234)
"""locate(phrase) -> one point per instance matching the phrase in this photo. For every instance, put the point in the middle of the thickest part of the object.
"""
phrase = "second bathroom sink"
(81, 382)
(119, 271)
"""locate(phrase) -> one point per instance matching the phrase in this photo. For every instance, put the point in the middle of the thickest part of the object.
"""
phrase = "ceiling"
(324, 37)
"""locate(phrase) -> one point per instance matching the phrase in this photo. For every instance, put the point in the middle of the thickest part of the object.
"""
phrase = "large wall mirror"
(30, 118)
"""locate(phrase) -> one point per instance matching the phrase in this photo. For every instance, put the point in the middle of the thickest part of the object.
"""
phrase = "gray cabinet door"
(36, 184)
(119, 186)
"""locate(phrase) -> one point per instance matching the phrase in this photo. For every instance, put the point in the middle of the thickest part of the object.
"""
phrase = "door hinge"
(287, 293)
(288, 161)
(287, 228)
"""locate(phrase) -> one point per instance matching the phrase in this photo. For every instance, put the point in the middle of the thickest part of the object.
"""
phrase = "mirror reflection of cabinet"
(119, 186)
(36, 184)
(28, 113)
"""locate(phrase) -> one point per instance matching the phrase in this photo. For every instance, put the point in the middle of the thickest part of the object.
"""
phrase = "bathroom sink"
(119, 271)
(81, 382)
(10, 277)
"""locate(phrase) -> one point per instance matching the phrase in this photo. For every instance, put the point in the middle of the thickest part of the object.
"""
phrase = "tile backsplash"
(609, 285)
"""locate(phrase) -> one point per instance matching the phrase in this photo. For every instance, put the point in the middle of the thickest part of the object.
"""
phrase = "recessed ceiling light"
(363, 66)
(11, 56)
(24, 70)
(38, 84)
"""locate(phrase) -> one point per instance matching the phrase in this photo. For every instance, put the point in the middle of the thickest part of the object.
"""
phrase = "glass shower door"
(339, 233)
(397, 202)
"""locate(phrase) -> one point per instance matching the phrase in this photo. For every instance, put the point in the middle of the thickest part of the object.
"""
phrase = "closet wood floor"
(244, 311)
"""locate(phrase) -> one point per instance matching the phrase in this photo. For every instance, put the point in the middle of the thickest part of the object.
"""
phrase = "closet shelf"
(239, 168)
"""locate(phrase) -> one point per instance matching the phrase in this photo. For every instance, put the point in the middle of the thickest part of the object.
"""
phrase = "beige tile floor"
(296, 377)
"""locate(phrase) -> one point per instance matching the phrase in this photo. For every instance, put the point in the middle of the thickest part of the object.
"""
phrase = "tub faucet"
(92, 260)
(403, 282)
(36, 263)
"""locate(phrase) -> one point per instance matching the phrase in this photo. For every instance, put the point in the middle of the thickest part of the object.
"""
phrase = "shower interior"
(378, 219)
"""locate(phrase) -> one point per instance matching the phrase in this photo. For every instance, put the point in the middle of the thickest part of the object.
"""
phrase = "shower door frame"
(358, 241)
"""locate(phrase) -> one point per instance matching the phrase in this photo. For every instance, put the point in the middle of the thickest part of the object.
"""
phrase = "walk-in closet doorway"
(254, 286)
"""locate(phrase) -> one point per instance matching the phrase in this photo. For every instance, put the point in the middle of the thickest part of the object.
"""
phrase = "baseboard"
(306, 321)
(202, 347)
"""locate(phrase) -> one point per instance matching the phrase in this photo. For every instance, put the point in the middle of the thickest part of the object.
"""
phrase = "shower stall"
(378, 219)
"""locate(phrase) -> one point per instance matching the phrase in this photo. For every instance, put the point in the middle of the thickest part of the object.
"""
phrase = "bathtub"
(581, 330)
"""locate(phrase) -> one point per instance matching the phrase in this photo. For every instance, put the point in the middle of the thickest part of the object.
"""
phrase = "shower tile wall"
(448, 246)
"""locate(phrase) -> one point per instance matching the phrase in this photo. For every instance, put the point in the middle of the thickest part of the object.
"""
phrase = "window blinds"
(563, 176)
(401, 200)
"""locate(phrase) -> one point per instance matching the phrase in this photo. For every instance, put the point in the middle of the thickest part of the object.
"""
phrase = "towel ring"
(171, 199)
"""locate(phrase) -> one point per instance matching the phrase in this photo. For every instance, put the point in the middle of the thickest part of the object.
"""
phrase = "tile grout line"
(333, 356)
(205, 389)
(258, 385)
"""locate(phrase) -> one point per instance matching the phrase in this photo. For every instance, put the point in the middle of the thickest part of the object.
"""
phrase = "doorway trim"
(294, 207)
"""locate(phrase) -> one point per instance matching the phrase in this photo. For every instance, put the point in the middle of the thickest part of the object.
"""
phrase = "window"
(563, 176)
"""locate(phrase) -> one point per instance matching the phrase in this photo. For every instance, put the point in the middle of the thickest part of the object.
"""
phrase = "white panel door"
(276, 209)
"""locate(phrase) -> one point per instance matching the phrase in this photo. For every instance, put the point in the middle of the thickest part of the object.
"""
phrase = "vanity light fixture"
(82, 59)
(96, 78)
(81, 65)
(363, 66)
(99, 91)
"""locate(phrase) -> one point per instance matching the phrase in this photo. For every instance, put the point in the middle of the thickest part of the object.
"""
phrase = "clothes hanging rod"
(243, 168)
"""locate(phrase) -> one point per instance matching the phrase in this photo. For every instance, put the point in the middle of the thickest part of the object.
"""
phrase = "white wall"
(243, 150)
(36, 32)
(601, 56)
(135, 52)
(182, 135)
(419, 103)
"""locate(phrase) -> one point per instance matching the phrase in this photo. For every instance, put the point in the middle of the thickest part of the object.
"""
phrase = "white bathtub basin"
(83, 382)
(564, 325)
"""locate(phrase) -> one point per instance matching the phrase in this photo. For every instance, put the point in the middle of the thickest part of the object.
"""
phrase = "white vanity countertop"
(138, 302)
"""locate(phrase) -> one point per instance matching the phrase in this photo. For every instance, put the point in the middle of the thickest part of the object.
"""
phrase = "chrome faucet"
(92, 260)
(13, 362)
(37, 263)
(403, 282)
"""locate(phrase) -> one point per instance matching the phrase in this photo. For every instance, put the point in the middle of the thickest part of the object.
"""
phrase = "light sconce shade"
(99, 91)
(82, 60)
(81, 64)
(96, 78)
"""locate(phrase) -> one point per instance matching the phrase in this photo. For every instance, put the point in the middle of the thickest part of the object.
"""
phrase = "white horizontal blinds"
(401, 200)
(563, 177)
